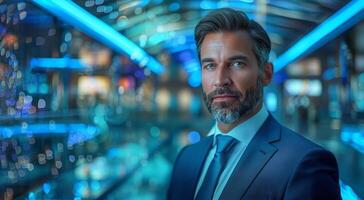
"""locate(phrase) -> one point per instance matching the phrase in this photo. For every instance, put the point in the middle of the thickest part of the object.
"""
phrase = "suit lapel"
(193, 161)
(257, 154)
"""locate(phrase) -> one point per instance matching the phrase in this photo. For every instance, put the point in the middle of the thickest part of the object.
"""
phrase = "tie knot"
(224, 143)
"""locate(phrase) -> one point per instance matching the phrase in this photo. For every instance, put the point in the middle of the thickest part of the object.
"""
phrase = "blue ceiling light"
(247, 1)
(73, 14)
(343, 19)
(209, 4)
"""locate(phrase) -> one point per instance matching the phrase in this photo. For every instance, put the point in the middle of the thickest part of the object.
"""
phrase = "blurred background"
(98, 96)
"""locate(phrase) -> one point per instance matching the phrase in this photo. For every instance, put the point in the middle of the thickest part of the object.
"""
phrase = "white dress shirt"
(244, 133)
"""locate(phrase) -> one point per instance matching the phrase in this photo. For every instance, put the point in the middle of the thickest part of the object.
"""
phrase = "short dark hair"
(227, 19)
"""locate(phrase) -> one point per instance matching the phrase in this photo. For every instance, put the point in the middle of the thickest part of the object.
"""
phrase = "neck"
(225, 128)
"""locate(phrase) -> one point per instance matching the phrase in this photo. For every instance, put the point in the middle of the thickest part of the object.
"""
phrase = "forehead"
(229, 42)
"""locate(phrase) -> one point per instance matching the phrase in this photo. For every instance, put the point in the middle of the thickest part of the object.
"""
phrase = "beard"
(230, 113)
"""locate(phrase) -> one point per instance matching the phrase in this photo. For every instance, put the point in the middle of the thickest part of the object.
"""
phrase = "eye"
(238, 64)
(209, 66)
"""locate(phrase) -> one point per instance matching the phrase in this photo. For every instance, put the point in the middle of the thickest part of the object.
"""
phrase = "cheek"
(206, 82)
(243, 82)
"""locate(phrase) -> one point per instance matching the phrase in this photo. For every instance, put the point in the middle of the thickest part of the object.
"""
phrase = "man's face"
(231, 80)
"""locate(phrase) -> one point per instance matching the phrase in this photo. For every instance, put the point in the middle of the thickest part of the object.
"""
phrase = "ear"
(267, 73)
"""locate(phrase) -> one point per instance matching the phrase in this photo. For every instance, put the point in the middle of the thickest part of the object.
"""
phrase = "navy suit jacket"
(277, 164)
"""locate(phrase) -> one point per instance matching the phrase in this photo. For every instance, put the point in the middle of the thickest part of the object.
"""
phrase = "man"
(248, 154)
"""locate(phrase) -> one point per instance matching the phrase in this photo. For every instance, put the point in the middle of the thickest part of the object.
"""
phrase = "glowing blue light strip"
(73, 14)
(77, 132)
(329, 29)
(58, 63)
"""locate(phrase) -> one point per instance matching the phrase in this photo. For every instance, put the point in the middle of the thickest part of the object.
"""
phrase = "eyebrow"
(232, 58)
(205, 60)
(238, 57)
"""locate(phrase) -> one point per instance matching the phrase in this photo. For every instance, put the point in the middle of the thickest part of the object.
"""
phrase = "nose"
(222, 78)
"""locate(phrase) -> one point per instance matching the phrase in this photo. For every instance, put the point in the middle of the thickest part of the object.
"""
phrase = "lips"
(224, 97)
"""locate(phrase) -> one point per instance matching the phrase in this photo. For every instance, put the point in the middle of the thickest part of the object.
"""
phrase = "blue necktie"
(224, 144)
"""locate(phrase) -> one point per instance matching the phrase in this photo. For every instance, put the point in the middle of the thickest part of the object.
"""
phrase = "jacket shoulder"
(298, 142)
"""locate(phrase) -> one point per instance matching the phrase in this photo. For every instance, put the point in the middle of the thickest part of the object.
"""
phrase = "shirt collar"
(245, 131)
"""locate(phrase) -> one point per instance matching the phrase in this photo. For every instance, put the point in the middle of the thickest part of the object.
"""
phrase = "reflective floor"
(133, 161)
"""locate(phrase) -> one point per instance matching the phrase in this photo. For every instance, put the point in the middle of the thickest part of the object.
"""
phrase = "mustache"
(223, 91)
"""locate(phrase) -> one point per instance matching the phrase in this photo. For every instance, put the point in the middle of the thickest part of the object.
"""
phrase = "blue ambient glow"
(330, 28)
(46, 188)
(73, 14)
(193, 70)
